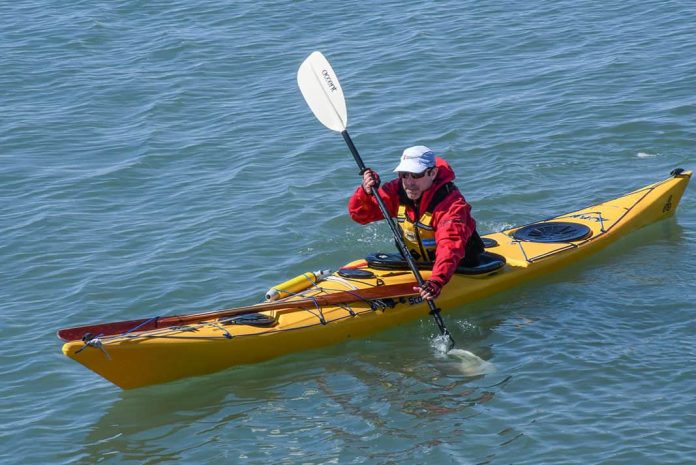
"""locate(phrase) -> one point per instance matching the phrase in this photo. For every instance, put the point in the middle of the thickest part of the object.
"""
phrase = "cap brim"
(410, 166)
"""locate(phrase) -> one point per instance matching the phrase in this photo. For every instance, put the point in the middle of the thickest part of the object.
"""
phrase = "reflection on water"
(345, 398)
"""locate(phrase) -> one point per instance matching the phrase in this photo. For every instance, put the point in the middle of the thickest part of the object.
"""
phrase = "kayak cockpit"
(488, 263)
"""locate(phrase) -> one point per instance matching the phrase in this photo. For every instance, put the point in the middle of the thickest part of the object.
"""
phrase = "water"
(157, 157)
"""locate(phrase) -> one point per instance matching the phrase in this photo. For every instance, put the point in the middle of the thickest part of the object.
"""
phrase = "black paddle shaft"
(434, 311)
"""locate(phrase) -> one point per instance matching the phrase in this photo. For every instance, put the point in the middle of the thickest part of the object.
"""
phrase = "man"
(434, 217)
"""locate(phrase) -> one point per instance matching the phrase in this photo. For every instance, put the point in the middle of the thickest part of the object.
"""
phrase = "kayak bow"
(375, 294)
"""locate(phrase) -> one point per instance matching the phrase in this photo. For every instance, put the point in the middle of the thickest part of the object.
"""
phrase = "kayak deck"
(381, 299)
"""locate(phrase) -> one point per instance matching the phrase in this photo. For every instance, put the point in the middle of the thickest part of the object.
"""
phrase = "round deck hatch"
(553, 231)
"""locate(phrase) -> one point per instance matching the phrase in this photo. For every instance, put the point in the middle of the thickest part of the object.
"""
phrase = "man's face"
(417, 183)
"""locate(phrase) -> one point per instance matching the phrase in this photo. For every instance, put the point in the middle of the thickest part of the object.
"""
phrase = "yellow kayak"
(365, 296)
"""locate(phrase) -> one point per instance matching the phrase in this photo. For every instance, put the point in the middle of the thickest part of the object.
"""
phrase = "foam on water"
(470, 364)
(463, 361)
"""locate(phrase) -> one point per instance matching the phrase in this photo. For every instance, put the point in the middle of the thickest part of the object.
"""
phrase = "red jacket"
(452, 218)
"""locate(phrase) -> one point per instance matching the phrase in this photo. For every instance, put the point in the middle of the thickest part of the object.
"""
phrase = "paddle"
(322, 91)
(147, 324)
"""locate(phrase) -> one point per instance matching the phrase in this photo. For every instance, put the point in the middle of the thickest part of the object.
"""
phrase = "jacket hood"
(445, 173)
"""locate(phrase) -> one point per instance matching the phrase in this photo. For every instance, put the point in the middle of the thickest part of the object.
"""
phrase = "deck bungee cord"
(175, 332)
(581, 238)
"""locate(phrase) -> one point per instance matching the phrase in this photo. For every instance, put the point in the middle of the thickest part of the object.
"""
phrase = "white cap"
(416, 159)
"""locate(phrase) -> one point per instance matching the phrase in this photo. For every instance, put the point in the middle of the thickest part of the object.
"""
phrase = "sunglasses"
(403, 175)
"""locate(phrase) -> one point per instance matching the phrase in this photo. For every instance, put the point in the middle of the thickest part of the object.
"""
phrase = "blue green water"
(158, 158)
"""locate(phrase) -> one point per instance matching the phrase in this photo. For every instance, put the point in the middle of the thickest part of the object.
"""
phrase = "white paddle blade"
(322, 91)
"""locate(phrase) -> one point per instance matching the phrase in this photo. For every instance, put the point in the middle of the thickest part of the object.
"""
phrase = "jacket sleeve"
(363, 208)
(453, 228)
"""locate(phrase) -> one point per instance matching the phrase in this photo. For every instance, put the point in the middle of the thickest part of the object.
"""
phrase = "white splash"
(646, 155)
(440, 344)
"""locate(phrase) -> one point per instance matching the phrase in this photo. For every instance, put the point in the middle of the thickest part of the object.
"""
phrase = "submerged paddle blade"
(322, 91)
